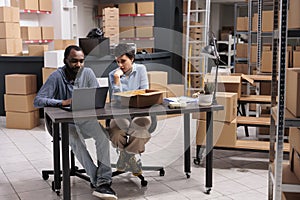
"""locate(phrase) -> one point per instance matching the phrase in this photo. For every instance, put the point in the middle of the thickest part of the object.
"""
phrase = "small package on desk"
(140, 98)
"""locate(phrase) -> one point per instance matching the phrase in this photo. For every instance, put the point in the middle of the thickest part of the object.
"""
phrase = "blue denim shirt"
(136, 80)
(58, 88)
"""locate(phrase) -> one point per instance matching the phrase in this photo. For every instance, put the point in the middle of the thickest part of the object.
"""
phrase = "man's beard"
(71, 73)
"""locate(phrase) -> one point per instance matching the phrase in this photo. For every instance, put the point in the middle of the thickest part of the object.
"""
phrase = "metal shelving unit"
(278, 117)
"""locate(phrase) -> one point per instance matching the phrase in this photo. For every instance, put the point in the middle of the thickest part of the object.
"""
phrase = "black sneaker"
(105, 192)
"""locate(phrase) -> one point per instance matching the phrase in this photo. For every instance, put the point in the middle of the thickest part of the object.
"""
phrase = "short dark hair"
(69, 49)
(124, 49)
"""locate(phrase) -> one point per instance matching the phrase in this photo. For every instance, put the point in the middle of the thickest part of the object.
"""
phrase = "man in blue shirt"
(57, 91)
(129, 135)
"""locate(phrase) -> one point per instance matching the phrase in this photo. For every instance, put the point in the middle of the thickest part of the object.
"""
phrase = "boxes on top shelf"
(267, 21)
(293, 14)
(60, 44)
(127, 8)
(9, 14)
(102, 6)
(144, 31)
(145, 7)
(20, 84)
(29, 5)
(45, 5)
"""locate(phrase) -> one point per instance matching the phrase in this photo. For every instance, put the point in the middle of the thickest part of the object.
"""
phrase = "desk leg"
(187, 144)
(65, 160)
(56, 158)
(209, 151)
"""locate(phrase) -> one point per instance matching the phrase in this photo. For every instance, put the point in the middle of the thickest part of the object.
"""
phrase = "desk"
(61, 118)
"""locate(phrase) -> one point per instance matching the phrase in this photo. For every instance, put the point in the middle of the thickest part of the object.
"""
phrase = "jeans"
(81, 130)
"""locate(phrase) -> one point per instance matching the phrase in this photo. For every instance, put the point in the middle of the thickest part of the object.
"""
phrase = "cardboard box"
(290, 196)
(45, 5)
(20, 84)
(102, 6)
(140, 98)
(11, 46)
(29, 5)
(21, 120)
(158, 77)
(185, 5)
(15, 3)
(295, 163)
(293, 14)
(175, 90)
(242, 24)
(127, 32)
(9, 14)
(54, 59)
(60, 44)
(242, 50)
(241, 68)
(144, 31)
(47, 32)
(10, 30)
(267, 61)
(293, 91)
(227, 83)
(267, 21)
(224, 133)
(111, 30)
(127, 8)
(294, 138)
(229, 101)
(46, 71)
(253, 56)
(296, 59)
(254, 22)
(31, 33)
(37, 50)
(145, 7)
(19, 103)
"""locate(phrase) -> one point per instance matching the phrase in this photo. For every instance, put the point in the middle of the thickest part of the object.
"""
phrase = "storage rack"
(278, 117)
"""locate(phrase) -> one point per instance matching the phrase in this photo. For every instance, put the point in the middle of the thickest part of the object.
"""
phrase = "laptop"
(87, 99)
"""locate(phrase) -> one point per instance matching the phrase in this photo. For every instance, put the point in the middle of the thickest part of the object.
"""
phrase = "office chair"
(161, 170)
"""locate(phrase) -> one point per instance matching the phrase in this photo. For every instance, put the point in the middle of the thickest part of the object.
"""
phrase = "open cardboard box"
(140, 98)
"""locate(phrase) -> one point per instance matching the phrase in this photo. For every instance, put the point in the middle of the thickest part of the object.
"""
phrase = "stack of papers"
(182, 99)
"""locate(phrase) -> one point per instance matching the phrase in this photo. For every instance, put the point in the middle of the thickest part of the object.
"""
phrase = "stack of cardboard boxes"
(158, 80)
(18, 101)
(225, 125)
(10, 38)
(111, 24)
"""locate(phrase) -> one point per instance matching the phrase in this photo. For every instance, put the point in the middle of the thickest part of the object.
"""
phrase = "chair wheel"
(144, 183)
(208, 191)
(161, 172)
(188, 175)
(45, 176)
(197, 161)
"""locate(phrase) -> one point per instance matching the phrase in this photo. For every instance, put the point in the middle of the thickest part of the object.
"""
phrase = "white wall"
(86, 16)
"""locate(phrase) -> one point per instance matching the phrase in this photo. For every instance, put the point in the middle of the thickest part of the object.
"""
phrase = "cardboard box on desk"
(19, 102)
(22, 120)
(293, 91)
(158, 77)
(20, 84)
(140, 98)
(175, 90)
(226, 99)
(224, 133)
(11, 46)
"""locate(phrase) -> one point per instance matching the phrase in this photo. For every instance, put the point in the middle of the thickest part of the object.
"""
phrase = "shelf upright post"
(279, 45)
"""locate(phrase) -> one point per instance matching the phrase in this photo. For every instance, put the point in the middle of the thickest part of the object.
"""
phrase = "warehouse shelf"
(131, 15)
(35, 11)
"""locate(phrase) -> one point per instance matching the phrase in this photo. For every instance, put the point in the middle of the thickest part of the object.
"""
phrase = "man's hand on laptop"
(66, 102)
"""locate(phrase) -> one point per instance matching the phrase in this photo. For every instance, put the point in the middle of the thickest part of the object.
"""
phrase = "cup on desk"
(205, 99)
